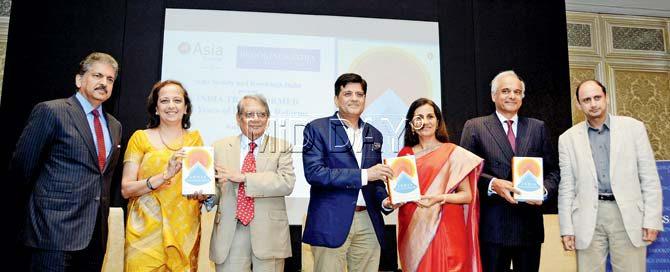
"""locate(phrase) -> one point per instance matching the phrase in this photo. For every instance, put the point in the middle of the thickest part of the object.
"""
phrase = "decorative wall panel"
(645, 95)
(634, 38)
(5, 6)
(583, 33)
(579, 35)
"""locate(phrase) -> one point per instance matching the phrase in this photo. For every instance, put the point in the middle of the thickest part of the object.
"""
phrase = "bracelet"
(149, 184)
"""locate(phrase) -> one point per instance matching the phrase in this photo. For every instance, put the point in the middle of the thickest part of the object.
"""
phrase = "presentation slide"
(294, 60)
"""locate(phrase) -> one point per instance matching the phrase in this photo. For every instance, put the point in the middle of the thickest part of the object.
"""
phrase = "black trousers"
(497, 258)
(88, 259)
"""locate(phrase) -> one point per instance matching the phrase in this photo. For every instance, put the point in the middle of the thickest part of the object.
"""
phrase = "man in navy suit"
(342, 163)
(509, 231)
(66, 157)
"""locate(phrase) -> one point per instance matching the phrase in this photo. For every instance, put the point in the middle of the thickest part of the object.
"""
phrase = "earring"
(156, 112)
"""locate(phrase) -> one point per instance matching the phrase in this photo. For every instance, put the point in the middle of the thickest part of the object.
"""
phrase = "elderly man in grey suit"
(66, 156)
(610, 193)
(255, 173)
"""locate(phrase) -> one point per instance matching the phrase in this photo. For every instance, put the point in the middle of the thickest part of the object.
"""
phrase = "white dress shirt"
(355, 137)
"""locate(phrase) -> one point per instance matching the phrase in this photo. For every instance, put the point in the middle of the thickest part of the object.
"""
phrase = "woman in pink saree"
(439, 232)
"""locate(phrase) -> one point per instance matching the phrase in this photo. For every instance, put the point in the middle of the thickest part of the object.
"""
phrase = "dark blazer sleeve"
(470, 140)
(552, 175)
(320, 169)
(33, 142)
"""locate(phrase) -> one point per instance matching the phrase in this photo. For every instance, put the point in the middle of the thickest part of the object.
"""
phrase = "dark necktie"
(245, 204)
(510, 135)
(100, 137)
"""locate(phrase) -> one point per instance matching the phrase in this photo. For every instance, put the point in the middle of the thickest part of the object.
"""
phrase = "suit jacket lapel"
(366, 143)
(585, 150)
(114, 134)
(615, 139)
(233, 148)
(261, 161)
(523, 133)
(337, 128)
(494, 127)
(76, 112)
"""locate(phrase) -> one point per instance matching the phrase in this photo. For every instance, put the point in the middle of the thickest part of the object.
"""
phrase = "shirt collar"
(88, 108)
(504, 120)
(244, 142)
(606, 125)
(360, 121)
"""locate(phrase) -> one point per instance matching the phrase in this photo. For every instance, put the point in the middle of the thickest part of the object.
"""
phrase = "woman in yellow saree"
(163, 227)
(439, 232)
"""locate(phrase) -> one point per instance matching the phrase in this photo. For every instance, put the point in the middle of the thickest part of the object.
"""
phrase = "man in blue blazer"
(509, 231)
(342, 163)
(66, 157)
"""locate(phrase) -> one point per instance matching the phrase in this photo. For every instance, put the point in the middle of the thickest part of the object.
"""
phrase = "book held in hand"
(197, 171)
(528, 177)
(404, 186)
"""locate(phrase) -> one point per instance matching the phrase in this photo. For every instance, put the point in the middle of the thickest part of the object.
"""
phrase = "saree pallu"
(442, 237)
(163, 227)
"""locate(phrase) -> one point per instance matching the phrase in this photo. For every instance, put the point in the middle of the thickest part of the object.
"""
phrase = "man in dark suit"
(66, 157)
(342, 163)
(509, 231)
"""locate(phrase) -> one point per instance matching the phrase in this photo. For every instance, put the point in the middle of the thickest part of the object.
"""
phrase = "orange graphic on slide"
(391, 68)
(197, 155)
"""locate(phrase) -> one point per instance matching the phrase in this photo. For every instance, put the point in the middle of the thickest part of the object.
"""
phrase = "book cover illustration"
(198, 171)
(404, 186)
(528, 177)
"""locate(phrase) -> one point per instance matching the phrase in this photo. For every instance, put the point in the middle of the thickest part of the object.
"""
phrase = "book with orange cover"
(404, 186)
(528, 178)
(197, 171)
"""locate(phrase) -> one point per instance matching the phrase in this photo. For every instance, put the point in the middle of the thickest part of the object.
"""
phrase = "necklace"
(160, 135)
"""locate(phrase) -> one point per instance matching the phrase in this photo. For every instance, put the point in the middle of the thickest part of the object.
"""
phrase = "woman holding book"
(163, 227)
(440, 231)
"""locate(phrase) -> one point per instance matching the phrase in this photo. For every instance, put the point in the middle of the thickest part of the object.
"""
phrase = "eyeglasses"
(259, 114)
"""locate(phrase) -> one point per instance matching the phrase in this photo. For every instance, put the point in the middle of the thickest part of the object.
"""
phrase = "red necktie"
(102, 152)
(510, 135)
(245, 204)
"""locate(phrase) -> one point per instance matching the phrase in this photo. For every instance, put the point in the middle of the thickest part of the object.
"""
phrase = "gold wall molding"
(575, 36)
(636, 37)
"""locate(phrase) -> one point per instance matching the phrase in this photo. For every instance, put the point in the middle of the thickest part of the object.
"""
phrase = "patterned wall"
(635, 60)
(5, 6)
(645, 95)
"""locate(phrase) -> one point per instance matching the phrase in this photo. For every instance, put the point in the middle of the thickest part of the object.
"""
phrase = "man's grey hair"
(97, 57)
(258, 97)
(494, 82)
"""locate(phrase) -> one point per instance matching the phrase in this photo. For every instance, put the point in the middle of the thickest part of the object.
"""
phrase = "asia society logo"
(184, 48)
(200, 48)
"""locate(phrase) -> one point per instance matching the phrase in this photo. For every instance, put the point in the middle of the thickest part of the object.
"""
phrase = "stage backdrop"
(477, 39)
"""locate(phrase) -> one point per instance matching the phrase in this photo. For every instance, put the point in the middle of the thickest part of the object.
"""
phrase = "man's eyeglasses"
(259, 114)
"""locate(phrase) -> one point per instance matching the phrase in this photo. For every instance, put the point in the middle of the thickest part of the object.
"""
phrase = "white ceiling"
(655, 8)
